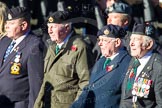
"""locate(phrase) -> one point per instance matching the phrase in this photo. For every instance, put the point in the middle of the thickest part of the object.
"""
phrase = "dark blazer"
(104, 89)
(25, 85)
(152, 71)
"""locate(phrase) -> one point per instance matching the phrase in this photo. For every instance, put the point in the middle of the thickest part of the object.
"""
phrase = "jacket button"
(93, 85)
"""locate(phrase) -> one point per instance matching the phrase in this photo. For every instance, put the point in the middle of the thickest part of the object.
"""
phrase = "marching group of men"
(127, 74)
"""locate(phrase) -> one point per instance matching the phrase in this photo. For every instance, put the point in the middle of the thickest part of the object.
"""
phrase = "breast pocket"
(65, 69)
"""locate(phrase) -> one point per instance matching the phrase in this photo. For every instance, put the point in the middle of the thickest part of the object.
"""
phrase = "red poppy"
(73, 48)
(109, 68)
(131, 74)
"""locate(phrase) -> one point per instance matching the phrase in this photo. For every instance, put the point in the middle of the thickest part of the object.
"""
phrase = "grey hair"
(146, 41)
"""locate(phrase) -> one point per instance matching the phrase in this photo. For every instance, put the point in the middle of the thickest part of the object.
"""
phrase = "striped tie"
(9, 49)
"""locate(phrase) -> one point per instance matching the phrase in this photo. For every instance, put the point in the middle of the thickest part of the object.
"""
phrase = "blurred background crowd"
(90, 15)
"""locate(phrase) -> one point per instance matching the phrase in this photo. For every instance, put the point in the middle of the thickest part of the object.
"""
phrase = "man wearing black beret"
(66, 64)
(142, 86)
(104, 89)
(21, 62)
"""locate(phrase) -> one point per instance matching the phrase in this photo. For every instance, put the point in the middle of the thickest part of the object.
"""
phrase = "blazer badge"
(15, 68)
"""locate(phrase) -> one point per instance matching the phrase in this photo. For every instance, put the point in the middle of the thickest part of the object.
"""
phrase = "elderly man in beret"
(66, 64)
(142, 86)
(21, 62)
(104, 89)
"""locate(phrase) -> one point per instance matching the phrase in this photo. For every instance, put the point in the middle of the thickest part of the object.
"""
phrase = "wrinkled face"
(14, 28)
(107, 45)
(139, 46)
(116, 19)
(57, 32)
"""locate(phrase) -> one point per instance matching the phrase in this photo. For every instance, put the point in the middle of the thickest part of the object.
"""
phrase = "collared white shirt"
(112, 57)
(18, 40)
(65, 40)
(143, 61)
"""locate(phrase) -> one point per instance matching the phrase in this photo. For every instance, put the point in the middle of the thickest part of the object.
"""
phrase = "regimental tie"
(107, 61)
(132, 74)
(8, 51)
(57, 49)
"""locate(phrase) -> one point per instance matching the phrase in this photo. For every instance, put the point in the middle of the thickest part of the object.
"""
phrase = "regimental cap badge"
(106, 32)
(111, 8)
(50, 19)
(9, 16)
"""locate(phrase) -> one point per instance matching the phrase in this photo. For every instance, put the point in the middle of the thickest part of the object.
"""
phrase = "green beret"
(58, 17)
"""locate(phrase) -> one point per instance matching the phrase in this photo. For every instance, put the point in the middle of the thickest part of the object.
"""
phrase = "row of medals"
(141, 87)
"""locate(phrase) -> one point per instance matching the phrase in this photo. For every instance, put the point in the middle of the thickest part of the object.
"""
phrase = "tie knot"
(57, 49)
(136, 63)
(107, 61)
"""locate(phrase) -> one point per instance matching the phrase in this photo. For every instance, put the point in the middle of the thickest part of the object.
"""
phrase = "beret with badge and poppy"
(59, 17)
(144, 29)
(17, 12)
(119, 7)
(113, 31)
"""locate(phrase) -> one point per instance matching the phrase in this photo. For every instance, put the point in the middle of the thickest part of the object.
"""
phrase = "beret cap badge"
(106, 32)
(111, 9)
(50, 19)
(9, 16)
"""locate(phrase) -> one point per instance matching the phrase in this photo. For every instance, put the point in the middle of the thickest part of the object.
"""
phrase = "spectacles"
(105, 40)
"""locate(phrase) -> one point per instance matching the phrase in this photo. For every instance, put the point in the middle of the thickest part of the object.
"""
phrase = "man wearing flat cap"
(66, 64)
(104, 89)
(142, 86)
(21, 62)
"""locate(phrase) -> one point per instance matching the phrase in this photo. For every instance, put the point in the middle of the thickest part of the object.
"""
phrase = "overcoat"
(66, 74)
(104, 89)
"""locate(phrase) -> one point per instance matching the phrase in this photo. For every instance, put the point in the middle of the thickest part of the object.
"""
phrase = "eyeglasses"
(105, 40)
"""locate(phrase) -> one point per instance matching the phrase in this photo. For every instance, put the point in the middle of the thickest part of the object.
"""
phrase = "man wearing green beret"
(66, 64)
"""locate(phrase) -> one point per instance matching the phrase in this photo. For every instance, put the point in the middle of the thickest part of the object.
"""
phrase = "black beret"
(17, 12)
(58, 17)
(119, 7)
(112, 31)
(144, 29)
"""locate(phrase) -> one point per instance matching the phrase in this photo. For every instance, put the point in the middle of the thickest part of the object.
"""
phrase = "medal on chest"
(15, 68)
(141, 88)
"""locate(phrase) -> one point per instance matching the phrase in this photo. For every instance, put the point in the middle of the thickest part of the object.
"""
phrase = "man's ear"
(24, 25)
(118, 42)
(150, 45)
(67, 26)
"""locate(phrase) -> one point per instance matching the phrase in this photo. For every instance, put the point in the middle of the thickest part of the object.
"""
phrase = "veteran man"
(66, 64)
(21, 62)
(104, 89)
(142, 87)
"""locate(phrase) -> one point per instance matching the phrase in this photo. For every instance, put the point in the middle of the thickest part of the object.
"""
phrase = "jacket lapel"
(145, 73)
(113, 64)
(19, 47)
(7, 41)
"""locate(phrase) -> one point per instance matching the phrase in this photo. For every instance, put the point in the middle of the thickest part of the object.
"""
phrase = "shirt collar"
(65, 40)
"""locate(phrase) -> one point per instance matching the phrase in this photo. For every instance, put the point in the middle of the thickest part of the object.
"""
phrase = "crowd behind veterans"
(81, 54)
